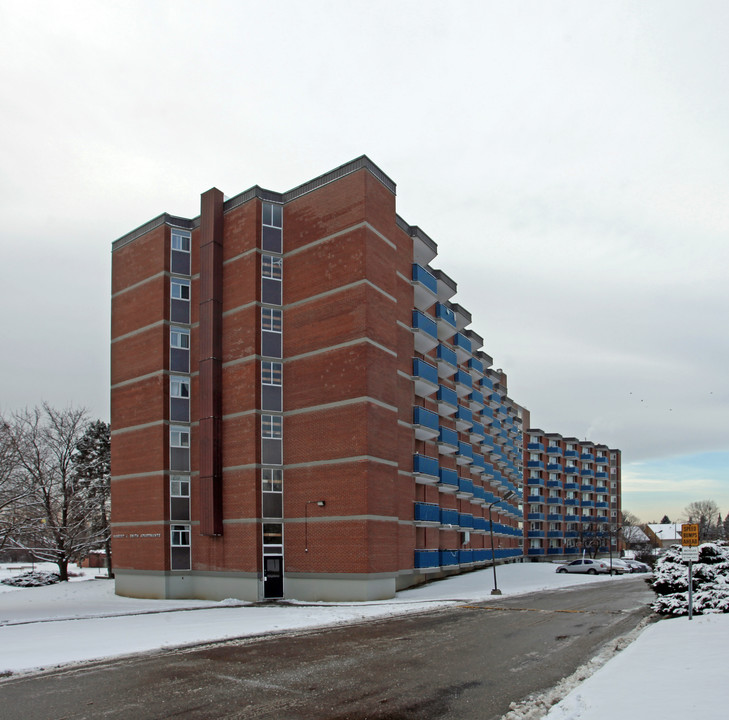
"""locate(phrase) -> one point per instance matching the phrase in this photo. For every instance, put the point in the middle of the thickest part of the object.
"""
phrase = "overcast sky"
(571, 160)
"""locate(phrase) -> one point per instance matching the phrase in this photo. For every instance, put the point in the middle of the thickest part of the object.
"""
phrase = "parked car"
(619, 566)
(591, 567)
(636, 565)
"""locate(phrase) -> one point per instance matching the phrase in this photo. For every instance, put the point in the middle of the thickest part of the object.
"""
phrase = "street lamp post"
(320, 503)
(506, 497)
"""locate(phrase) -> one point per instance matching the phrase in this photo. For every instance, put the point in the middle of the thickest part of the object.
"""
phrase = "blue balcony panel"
(425, 332)
(536, 551)
(465, 488)
(425, 378)
(448, 557)
(425, 287)
(535, 481)
(586, 472)
(476, 401)
(535, 464)
(554, 450)
(600, 490)
(601, 460)
(462, 346)
(427, 514)
(448, 480)
(446, 321)
(448, 518)
(571, 470)
(425, 423)
(464, 456)
(446, 360)
(554, 516)
(480, 525)
(573, 454)
(587, 457)
(427, 559)
(477, 432)
(554, 501)
(425, 469)
(554, 533)
(535, 516)
(571, 486)
(464, 418)
(571, 551)
(572, 502)
(465, 557)
(554, 467)
(554, 483)
(475, 366)
(447, 401)
(447, 441)
(535, 447)
(464, 383)
(465, 521)
(587, 487)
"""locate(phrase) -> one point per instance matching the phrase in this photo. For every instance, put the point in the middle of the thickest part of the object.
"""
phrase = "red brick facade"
(344, 505)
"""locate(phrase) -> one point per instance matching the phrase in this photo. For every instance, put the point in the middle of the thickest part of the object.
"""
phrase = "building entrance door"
(272, 576)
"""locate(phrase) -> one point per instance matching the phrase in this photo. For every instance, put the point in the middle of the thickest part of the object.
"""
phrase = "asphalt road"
(463, 663)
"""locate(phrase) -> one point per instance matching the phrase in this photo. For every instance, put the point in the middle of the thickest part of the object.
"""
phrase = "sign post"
(690, 552)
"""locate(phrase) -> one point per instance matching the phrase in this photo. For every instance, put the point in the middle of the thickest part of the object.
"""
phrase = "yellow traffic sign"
(689, 534)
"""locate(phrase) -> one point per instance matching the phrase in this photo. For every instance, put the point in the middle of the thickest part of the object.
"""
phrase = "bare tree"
(12, 491)
(57, 507)
(702, 512)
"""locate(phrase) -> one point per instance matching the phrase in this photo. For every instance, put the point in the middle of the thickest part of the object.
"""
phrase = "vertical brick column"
(210, 364)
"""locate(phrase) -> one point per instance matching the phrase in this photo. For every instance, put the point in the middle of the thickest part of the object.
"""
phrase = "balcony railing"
(464, 383)
(447, 401)
(425, 332)
(464, 456)
(462, 346)
(446, 360)
(426, 514)
(449, 517)
(425, 378)
(465, 488)
(425, 423)
(448, 482)
(425, 287)
(425, 469)
(446, 321)
(447, 441)
(427, 559)
(464, 418)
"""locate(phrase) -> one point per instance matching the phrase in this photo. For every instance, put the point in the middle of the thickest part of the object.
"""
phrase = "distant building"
(572, 496)
(299, 407)
(663, 535)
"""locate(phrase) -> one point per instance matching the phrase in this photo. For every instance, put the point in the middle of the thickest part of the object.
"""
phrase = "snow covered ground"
(671, 668)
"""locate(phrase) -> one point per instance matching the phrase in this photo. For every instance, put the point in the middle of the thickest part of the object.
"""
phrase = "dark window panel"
(180, 409)
(180, 262)
(271, 344)
(179, 360)
(271, 291)
(271, 398)
(180, 558)
(180, 310)
(272, 505)
(271, 451)
(179, 508)
(180, 459)
(271, 239)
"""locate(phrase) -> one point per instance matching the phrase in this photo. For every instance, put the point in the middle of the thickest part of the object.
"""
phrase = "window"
(180, 241)
(271, 273)
(179, 399)
(272, 215)
(271, 267)
(272, 426)
(179, 300)
(180, 338)
(180, 252)
(179, 387)
(271, 319)
(271, 479)
(179, 349)
(179, 289)
(272, 537)
(271, 373)
(179, 497)
(179, 437)
(272, 497)
(272, 227)
(180, 486)
(180, 535)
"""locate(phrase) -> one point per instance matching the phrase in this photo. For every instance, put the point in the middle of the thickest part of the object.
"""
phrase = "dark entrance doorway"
(272, 576)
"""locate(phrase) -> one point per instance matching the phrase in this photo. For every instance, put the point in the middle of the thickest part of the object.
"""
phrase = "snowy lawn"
(82, 620)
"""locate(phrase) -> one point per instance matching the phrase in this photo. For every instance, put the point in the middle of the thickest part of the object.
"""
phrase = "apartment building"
(572, 496)
(299, 407)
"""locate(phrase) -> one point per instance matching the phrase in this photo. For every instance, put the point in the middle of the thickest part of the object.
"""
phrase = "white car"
(589, 566)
